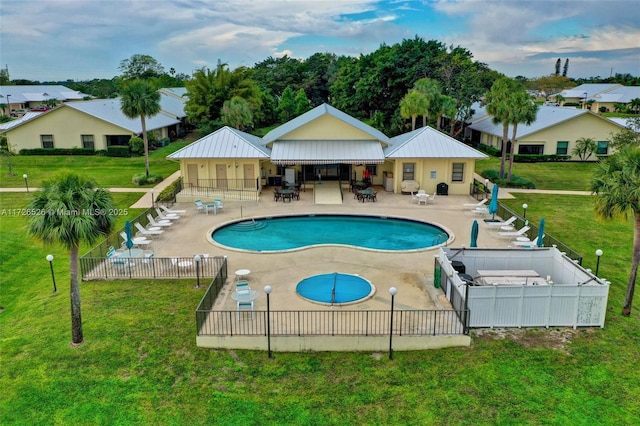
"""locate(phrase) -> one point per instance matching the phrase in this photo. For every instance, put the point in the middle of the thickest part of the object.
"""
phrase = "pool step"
(249, 225)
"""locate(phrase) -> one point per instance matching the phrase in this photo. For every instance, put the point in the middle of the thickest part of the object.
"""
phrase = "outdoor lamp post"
(598, 253)
(26, 182)
(524, 209)
(53, 277)
(152, 191)
(267, 291)
(197, 259)
(393, 292)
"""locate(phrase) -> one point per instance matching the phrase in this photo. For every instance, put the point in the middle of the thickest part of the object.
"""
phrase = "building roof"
(224, 143)
(172, 105)
(109, 110)
(327, 152)
(427, 142)
(175, 91)
(24, 94)
(13, 123)
(317, 112)
(547, 116)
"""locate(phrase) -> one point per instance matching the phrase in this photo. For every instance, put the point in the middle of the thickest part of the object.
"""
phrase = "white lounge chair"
(481, 203)
(514, 234)
(530, 244)
(167, 216)
(151, 231)
(158, 223)
(497, 225)
(480, 210)
(171, 211)
(138, 241)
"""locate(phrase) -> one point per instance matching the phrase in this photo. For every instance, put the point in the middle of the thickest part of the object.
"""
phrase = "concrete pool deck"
(410, 272)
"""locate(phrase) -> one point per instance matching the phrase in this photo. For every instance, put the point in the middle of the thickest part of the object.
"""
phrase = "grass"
(568, 176)
(108, 172)
(139, 363)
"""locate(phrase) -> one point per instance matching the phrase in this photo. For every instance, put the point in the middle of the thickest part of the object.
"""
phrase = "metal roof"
(109, 110)
(317, 112)
(31, 93)
(427, 142)
(546, 117)
(13, 123)
(172, 105)
(224, 143)
(327, 152)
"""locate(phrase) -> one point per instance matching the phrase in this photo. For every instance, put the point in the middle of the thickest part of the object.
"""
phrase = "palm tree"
(498, 106)
(74, 212)
(236, 112)
(430, 88)
(412, 105)
(616, 183)
(141, 99)
(584, 148)
(523, 110)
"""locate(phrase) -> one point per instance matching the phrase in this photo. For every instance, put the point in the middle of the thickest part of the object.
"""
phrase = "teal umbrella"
(474, 234)
(129, 241)
(493, 205)
(541, 233)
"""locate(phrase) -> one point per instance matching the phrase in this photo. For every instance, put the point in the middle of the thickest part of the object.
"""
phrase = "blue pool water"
(335, 288)
(295, 232)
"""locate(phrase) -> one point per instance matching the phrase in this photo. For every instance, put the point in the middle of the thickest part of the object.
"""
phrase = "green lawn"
(139, 363)
(570, 176)
(108, 172)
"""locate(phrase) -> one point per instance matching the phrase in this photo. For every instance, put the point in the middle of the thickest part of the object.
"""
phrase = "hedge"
(58, 151)
(118, 151)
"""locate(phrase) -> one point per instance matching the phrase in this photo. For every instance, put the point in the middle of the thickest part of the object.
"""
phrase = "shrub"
(142, 179)
(169, 193)
(490, 150)
(515, 182)
(58, 151)
(118, 151)
(535, 158)
(137, 145)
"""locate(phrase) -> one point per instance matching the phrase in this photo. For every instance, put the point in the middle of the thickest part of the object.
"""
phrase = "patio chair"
(242, 285)
(200, 207)
(472, 206)
(497, 225)
(167, 216)
(146, 232)
(432, 198)
(218, 203)
(244, 307)
(171, 211)
(514, 234)
(159, 223)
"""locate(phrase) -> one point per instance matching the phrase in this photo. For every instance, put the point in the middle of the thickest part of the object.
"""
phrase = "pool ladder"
(249, 225)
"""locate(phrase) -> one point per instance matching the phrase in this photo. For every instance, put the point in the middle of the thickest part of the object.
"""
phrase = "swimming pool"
(282, 233)
(335, 289)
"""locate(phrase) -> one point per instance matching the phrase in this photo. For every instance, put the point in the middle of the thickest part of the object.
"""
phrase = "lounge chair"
(138, 241)
(168, 210)
(529, 244)
(497, 225)
(481, 203)
(153, 222)
(167, 216)
(514, 234)
(480, 210)
(146, 232)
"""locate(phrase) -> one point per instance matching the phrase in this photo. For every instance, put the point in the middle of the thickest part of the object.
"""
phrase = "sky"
(49, 40)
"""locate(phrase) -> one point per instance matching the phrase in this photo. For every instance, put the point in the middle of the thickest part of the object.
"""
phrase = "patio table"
(245, 295)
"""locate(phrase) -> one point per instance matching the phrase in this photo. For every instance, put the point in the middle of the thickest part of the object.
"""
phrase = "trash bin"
(437, 277)
(458, 266)
(442, 189)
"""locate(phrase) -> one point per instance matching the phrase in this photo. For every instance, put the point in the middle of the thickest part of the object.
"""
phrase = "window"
(531, 149)
(47, 141)
(87, 141)
(408, 171)
(457, 174)
(562, 148)
(603, 148)
(373, 169)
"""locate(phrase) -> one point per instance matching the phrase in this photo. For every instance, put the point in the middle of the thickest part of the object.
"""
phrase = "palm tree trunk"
(633, 275)
(413, 122)
(146, 145)
(512, 151)
(505, 135)
(76, 315)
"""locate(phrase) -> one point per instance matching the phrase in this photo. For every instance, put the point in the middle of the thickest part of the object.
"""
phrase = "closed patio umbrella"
(474, 234)
(129, 241)
(541, 233)
(493, 205)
